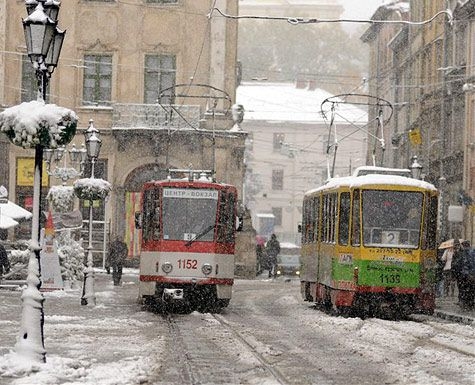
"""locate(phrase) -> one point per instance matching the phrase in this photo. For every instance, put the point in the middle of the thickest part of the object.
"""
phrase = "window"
(29, 84)
(160, 74)
(391, 218)
(277, 211)
(278, 140)
(97, 79)
(227, 218)
(356, 229)
(277, 179)
(344, 218)
(430, 223)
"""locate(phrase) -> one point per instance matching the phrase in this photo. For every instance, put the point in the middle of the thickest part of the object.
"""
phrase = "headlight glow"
(167, 267)
(207, 269)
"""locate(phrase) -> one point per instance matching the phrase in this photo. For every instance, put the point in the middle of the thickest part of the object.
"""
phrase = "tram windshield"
(189, 214)
(392, 218)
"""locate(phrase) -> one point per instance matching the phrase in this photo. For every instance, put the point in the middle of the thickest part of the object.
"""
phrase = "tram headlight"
(207, 269)
(167, 267)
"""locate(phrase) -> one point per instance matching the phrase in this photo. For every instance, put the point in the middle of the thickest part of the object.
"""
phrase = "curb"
(449, 316)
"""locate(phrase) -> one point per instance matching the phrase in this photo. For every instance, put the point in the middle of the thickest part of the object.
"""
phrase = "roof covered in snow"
(285, 102)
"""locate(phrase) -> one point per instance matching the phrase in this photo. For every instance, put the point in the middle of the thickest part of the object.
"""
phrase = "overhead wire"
(301, 20)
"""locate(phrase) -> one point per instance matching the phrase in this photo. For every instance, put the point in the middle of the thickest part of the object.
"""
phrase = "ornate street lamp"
(416, 168)
(88, 189)
(75, 156)
(40, 28)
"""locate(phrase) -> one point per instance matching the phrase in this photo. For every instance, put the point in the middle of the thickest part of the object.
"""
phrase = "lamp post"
(93, 147)
(416, 168)
(76, 155)
(43, 43)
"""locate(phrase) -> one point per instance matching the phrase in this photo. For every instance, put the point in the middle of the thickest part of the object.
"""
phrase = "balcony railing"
(154, 116)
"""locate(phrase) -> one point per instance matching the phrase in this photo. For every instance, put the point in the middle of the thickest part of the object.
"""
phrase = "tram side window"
(307, 234)
(344, 218)
(151, 215)
(333, 213)
(226, 218)
(356, 230)
(430, 223)
(326, 215)
(316, 217)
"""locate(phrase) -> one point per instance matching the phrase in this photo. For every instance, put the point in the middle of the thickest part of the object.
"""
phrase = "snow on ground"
(89, 345)
(117, 343)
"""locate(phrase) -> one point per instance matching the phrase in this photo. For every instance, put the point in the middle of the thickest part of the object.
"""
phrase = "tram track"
(221, 356)
(265, 364)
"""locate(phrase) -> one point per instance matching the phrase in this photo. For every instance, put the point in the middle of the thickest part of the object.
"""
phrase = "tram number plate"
(191, 264)
(390, 278)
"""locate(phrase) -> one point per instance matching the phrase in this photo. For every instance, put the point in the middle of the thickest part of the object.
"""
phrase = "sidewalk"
(447, 308)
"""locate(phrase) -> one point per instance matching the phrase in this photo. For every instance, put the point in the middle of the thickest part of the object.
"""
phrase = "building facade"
(157, 78)
(424, 70)
(292, 148)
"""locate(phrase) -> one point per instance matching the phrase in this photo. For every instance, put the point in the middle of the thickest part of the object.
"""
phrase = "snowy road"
(267, 336)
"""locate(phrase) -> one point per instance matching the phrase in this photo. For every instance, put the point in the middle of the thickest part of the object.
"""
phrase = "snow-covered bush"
(61, 198)
(36, 123)
(18, 263)
(92, 189)
(71, 256)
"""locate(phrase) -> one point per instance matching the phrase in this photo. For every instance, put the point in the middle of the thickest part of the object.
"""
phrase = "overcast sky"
(360, 9)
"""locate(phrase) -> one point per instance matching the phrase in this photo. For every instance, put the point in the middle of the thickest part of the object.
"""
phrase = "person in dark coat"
(4, 262)
(261, 258)
(463, 267)
(272, 251)
(118, 251)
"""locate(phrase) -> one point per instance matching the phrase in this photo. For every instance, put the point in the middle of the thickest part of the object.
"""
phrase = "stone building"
(287, 150)
(425, 71)
(157, 78)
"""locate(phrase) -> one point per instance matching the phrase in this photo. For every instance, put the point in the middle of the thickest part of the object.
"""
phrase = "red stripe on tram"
(196, 281)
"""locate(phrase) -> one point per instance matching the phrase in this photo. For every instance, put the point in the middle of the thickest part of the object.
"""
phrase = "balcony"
(153, 116)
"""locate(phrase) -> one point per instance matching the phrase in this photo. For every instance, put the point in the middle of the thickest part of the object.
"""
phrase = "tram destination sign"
(190, 193)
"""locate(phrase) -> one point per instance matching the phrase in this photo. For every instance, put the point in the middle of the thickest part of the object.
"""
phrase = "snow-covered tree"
(61, 198)
(71, 256)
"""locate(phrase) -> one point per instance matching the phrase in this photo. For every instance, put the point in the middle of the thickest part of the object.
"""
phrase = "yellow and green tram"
(369, 243)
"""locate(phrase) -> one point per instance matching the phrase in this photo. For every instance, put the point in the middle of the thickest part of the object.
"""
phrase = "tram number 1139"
(390, 278)
(189, 264)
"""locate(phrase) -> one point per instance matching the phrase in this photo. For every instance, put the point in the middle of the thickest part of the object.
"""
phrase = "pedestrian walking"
(447, 274)
(261, 258)
(463, 266)
(272, 251)
(118, 251)
(4, 262)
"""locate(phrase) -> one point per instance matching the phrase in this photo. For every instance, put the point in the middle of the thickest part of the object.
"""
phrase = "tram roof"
(199, 182)
(373, 180)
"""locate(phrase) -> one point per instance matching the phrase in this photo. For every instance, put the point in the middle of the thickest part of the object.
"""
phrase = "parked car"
(288, 261)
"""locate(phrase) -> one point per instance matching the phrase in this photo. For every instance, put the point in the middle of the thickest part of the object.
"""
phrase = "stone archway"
(128, 200)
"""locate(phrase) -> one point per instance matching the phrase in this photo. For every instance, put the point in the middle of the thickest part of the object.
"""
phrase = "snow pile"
(36, 123)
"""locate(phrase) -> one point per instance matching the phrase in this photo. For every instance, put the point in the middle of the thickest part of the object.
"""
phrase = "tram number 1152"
(189, 264)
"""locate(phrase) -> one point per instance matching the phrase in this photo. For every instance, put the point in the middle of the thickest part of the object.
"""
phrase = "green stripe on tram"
(380, 273)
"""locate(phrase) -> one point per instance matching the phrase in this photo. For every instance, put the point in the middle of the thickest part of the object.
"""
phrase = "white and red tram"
(188, 242)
